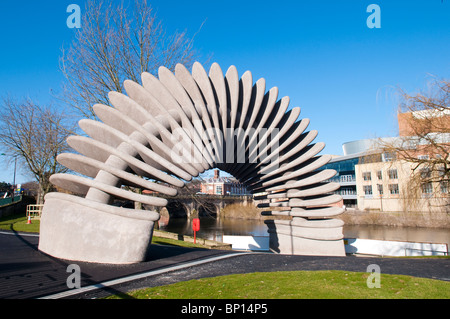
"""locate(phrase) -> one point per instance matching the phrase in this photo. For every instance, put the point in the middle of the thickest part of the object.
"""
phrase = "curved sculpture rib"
(171, 129)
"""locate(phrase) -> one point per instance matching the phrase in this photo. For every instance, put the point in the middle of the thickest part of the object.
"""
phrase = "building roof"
(365, 145)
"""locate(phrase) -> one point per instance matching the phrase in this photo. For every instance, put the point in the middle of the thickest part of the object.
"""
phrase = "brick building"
(218, 185)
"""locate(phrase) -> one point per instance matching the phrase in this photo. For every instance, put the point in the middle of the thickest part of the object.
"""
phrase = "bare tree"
(35, 135)
(116, 43)
(424, 141)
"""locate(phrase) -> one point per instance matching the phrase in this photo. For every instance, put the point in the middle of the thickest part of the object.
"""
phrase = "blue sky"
(321, 54)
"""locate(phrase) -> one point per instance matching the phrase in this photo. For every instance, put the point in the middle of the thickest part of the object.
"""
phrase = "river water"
(214, 229)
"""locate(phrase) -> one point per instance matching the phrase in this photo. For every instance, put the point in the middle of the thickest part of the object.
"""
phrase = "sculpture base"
(78, 229)
(306, 237)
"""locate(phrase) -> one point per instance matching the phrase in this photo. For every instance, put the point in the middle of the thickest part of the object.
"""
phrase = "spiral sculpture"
(171, 129)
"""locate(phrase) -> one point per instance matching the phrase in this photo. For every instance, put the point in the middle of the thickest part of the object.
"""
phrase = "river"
(214, 229)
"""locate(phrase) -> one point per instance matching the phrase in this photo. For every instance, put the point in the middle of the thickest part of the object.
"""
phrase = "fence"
(9, 200)
(34, 211)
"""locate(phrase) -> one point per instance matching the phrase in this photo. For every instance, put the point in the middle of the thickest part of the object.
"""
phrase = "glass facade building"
(345, 176)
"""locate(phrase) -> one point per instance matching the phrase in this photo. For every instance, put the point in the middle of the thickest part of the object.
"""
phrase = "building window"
(380, 189)
(346, 191)
(393, 174)
(423, 157)
(367, 190)
(347, 178)
(425, 173)
(444, 187)
(388, 157)
(380, 175)
(427, 188)
(393, 189)
(219, 189)
(367, 176)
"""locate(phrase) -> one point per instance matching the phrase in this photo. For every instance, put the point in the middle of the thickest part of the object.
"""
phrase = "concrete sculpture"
(169, 130)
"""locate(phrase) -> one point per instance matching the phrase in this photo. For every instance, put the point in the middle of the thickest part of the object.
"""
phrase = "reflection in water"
(214, 229)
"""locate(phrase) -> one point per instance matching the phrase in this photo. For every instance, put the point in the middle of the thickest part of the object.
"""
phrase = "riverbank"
(200, 242)
(239, 211)
(353, 217)
(398, 219)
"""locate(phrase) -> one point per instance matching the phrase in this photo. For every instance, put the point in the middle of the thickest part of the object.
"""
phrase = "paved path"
(25, 272)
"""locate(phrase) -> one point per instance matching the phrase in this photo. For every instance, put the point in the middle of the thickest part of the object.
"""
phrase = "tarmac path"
(27, 273)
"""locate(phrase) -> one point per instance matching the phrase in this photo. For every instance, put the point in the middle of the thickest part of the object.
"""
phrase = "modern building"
(382, 185)
(372, 179)
(390, 186)
(355, 153)
(218, 185)
(345, 168)
(394, 182)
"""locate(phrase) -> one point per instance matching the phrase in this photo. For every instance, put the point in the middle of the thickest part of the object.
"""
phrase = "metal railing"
(432, 252)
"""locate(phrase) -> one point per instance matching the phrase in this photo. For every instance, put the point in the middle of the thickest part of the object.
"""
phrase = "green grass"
(297, 285)
(18, 223)
(173, 242)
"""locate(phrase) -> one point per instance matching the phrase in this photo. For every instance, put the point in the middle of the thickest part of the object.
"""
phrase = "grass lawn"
(297, 285)
(18, 223)
(173, 242)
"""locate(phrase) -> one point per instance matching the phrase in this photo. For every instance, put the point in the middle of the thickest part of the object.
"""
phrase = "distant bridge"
(184, 206)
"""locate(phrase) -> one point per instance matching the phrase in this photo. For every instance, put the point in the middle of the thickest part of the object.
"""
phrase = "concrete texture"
(301, 236)
(169, 130)
(107, 234)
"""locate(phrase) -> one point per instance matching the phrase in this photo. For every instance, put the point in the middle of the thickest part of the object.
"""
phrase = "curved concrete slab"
(171, 129)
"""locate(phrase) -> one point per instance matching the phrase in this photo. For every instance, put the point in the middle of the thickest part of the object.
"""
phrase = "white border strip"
(119, 281)
(19, 234)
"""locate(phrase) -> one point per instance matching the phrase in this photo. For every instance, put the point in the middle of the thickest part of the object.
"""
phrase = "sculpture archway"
(171, 129)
